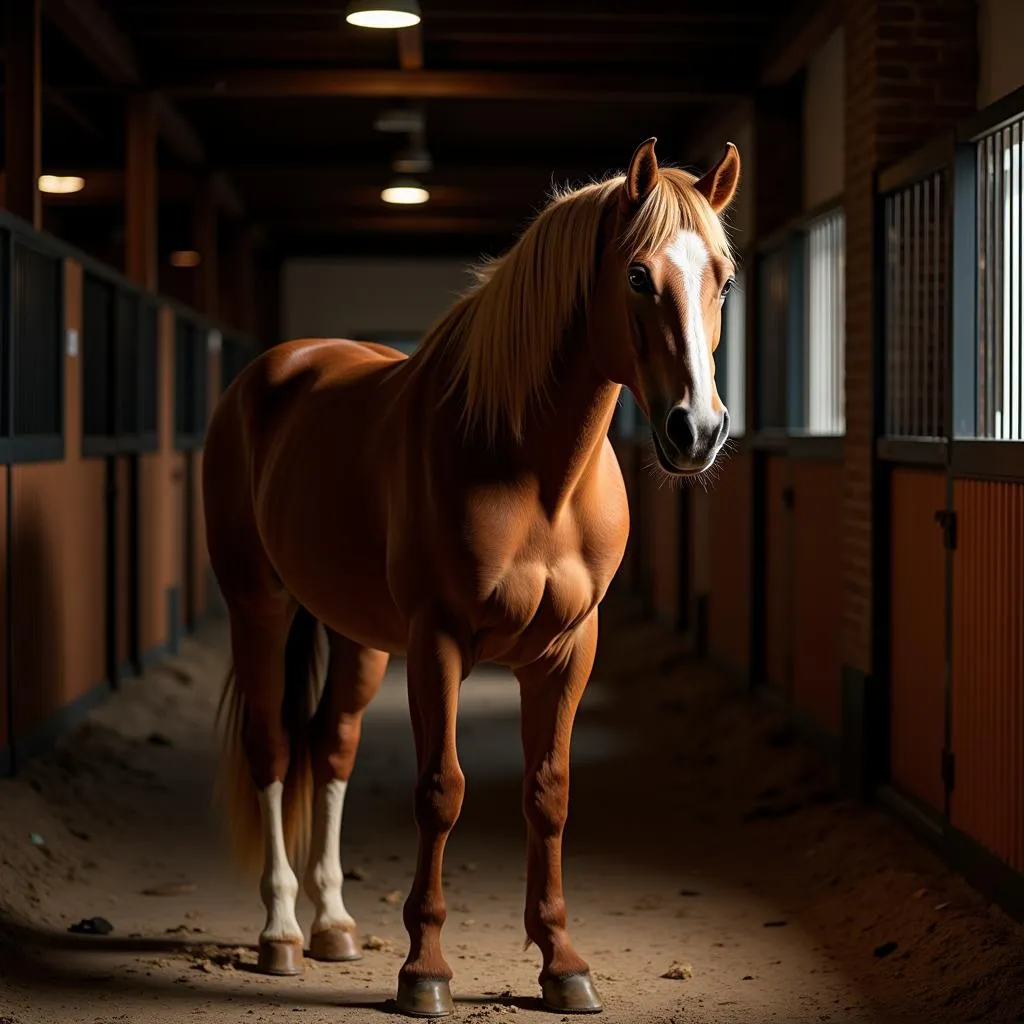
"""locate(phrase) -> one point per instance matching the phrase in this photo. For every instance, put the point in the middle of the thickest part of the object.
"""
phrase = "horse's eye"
(727, 287)
(639, 278)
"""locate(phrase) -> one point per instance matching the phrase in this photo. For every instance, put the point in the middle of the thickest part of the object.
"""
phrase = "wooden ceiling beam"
(798, 37)
(88, 27)
(386, 222)
(269, 83)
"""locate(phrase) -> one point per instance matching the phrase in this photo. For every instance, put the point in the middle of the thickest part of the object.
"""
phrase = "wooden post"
(23, 109)
(205, 234)
(141, 204)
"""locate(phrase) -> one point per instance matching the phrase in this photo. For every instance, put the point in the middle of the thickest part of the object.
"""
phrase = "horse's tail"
(303, 685)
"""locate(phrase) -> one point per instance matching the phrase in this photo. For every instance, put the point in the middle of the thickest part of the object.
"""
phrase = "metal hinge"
(948, 769)
(946, 518)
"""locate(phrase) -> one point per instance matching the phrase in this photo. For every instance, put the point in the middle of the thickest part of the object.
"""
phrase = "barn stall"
(852, 562)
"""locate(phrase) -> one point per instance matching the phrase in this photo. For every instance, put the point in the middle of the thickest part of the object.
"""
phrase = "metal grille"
(98, 317)
(917, 254)
(1000, 368)
(774, 337)
(37, 352)
(127, 363)
(824, 327)
(731, 357)
(148, 369)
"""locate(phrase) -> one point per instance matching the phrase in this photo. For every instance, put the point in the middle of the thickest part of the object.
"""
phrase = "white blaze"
(689, 253)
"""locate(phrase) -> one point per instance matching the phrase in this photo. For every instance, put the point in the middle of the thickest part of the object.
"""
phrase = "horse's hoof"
(424, 997)
(280, 956)
(334, 945)
(575, 993)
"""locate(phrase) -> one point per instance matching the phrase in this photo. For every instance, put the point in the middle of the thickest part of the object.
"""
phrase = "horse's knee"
(439, 795)
(546, 800)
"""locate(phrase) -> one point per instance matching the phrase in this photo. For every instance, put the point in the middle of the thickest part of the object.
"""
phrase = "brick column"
(911, 72)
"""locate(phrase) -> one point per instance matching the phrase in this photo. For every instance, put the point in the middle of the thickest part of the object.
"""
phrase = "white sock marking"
(278, 884)
(324, 878)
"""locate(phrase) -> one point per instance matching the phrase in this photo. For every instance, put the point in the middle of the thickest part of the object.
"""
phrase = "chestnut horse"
(460, 506)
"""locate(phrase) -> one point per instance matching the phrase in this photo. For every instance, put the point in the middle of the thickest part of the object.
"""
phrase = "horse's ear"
(718, 186)
(642, 175)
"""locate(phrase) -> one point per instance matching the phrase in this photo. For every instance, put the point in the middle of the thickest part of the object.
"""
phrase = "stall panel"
(778, 574)
(918, 634)
(729, 593)
(817, 542)
(988, 666)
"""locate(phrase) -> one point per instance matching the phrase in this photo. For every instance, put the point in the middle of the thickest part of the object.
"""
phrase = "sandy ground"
(701, 833)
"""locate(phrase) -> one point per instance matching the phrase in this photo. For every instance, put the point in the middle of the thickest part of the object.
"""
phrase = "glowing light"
(185, 258)
(408, 194)
(61, 184)
(384, 14)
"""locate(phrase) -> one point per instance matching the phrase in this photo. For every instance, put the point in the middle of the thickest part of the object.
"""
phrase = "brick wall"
(911, 71)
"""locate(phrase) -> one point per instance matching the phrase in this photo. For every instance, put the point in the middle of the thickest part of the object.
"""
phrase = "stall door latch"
(946, 518)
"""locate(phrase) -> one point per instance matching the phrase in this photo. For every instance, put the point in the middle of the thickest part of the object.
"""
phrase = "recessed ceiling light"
(383, 13)
(185, 258)
(399, 120)
(60, 184)
(405, 193)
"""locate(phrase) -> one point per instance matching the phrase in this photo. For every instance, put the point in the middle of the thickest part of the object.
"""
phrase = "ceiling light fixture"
(383, 13)
(399, 120)
(61, 184)
(405, 193)
(184, 258)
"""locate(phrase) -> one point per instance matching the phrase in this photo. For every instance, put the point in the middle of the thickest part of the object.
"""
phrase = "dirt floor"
(703, 841)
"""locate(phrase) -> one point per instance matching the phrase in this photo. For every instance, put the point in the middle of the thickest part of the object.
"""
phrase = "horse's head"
(664, 274)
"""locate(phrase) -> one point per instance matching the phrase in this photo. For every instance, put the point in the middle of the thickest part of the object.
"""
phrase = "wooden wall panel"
(918, 634)
(988, 666)
(123, 590)
(778, 576)
(729, 597)
(4, 732)
(200, 558)
(818, 592)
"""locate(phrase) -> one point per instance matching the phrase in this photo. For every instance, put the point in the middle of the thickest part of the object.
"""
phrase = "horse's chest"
(535, 602)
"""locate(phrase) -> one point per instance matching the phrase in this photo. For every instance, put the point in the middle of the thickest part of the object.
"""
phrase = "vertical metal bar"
(962, 283)
(889, 220)
(928, 364)
(1015, 272)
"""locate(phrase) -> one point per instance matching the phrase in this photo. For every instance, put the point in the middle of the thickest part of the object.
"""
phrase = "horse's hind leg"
(353, 679)
(258, 641)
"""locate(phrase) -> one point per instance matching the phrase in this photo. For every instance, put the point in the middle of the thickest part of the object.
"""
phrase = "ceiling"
(280, 98)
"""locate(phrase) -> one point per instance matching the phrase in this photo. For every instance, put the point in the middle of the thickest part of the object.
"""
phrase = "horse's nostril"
(680, 429)
(723, 427)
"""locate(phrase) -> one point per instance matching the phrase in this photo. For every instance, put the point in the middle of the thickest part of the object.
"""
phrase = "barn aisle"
(701, 834)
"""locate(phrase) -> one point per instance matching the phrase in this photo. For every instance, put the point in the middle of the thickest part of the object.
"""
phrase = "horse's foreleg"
(353, 679)
(550, 691)
(435, 668)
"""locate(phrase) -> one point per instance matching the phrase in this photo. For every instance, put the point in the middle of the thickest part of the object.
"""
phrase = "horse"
(460, 505)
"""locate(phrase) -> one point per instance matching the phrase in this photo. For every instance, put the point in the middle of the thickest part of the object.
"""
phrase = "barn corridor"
(702, 833)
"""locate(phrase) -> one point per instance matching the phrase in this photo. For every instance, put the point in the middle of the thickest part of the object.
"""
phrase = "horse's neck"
(563, 438)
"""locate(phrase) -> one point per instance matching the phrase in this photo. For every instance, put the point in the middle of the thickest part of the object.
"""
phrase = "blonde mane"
(500, 338)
